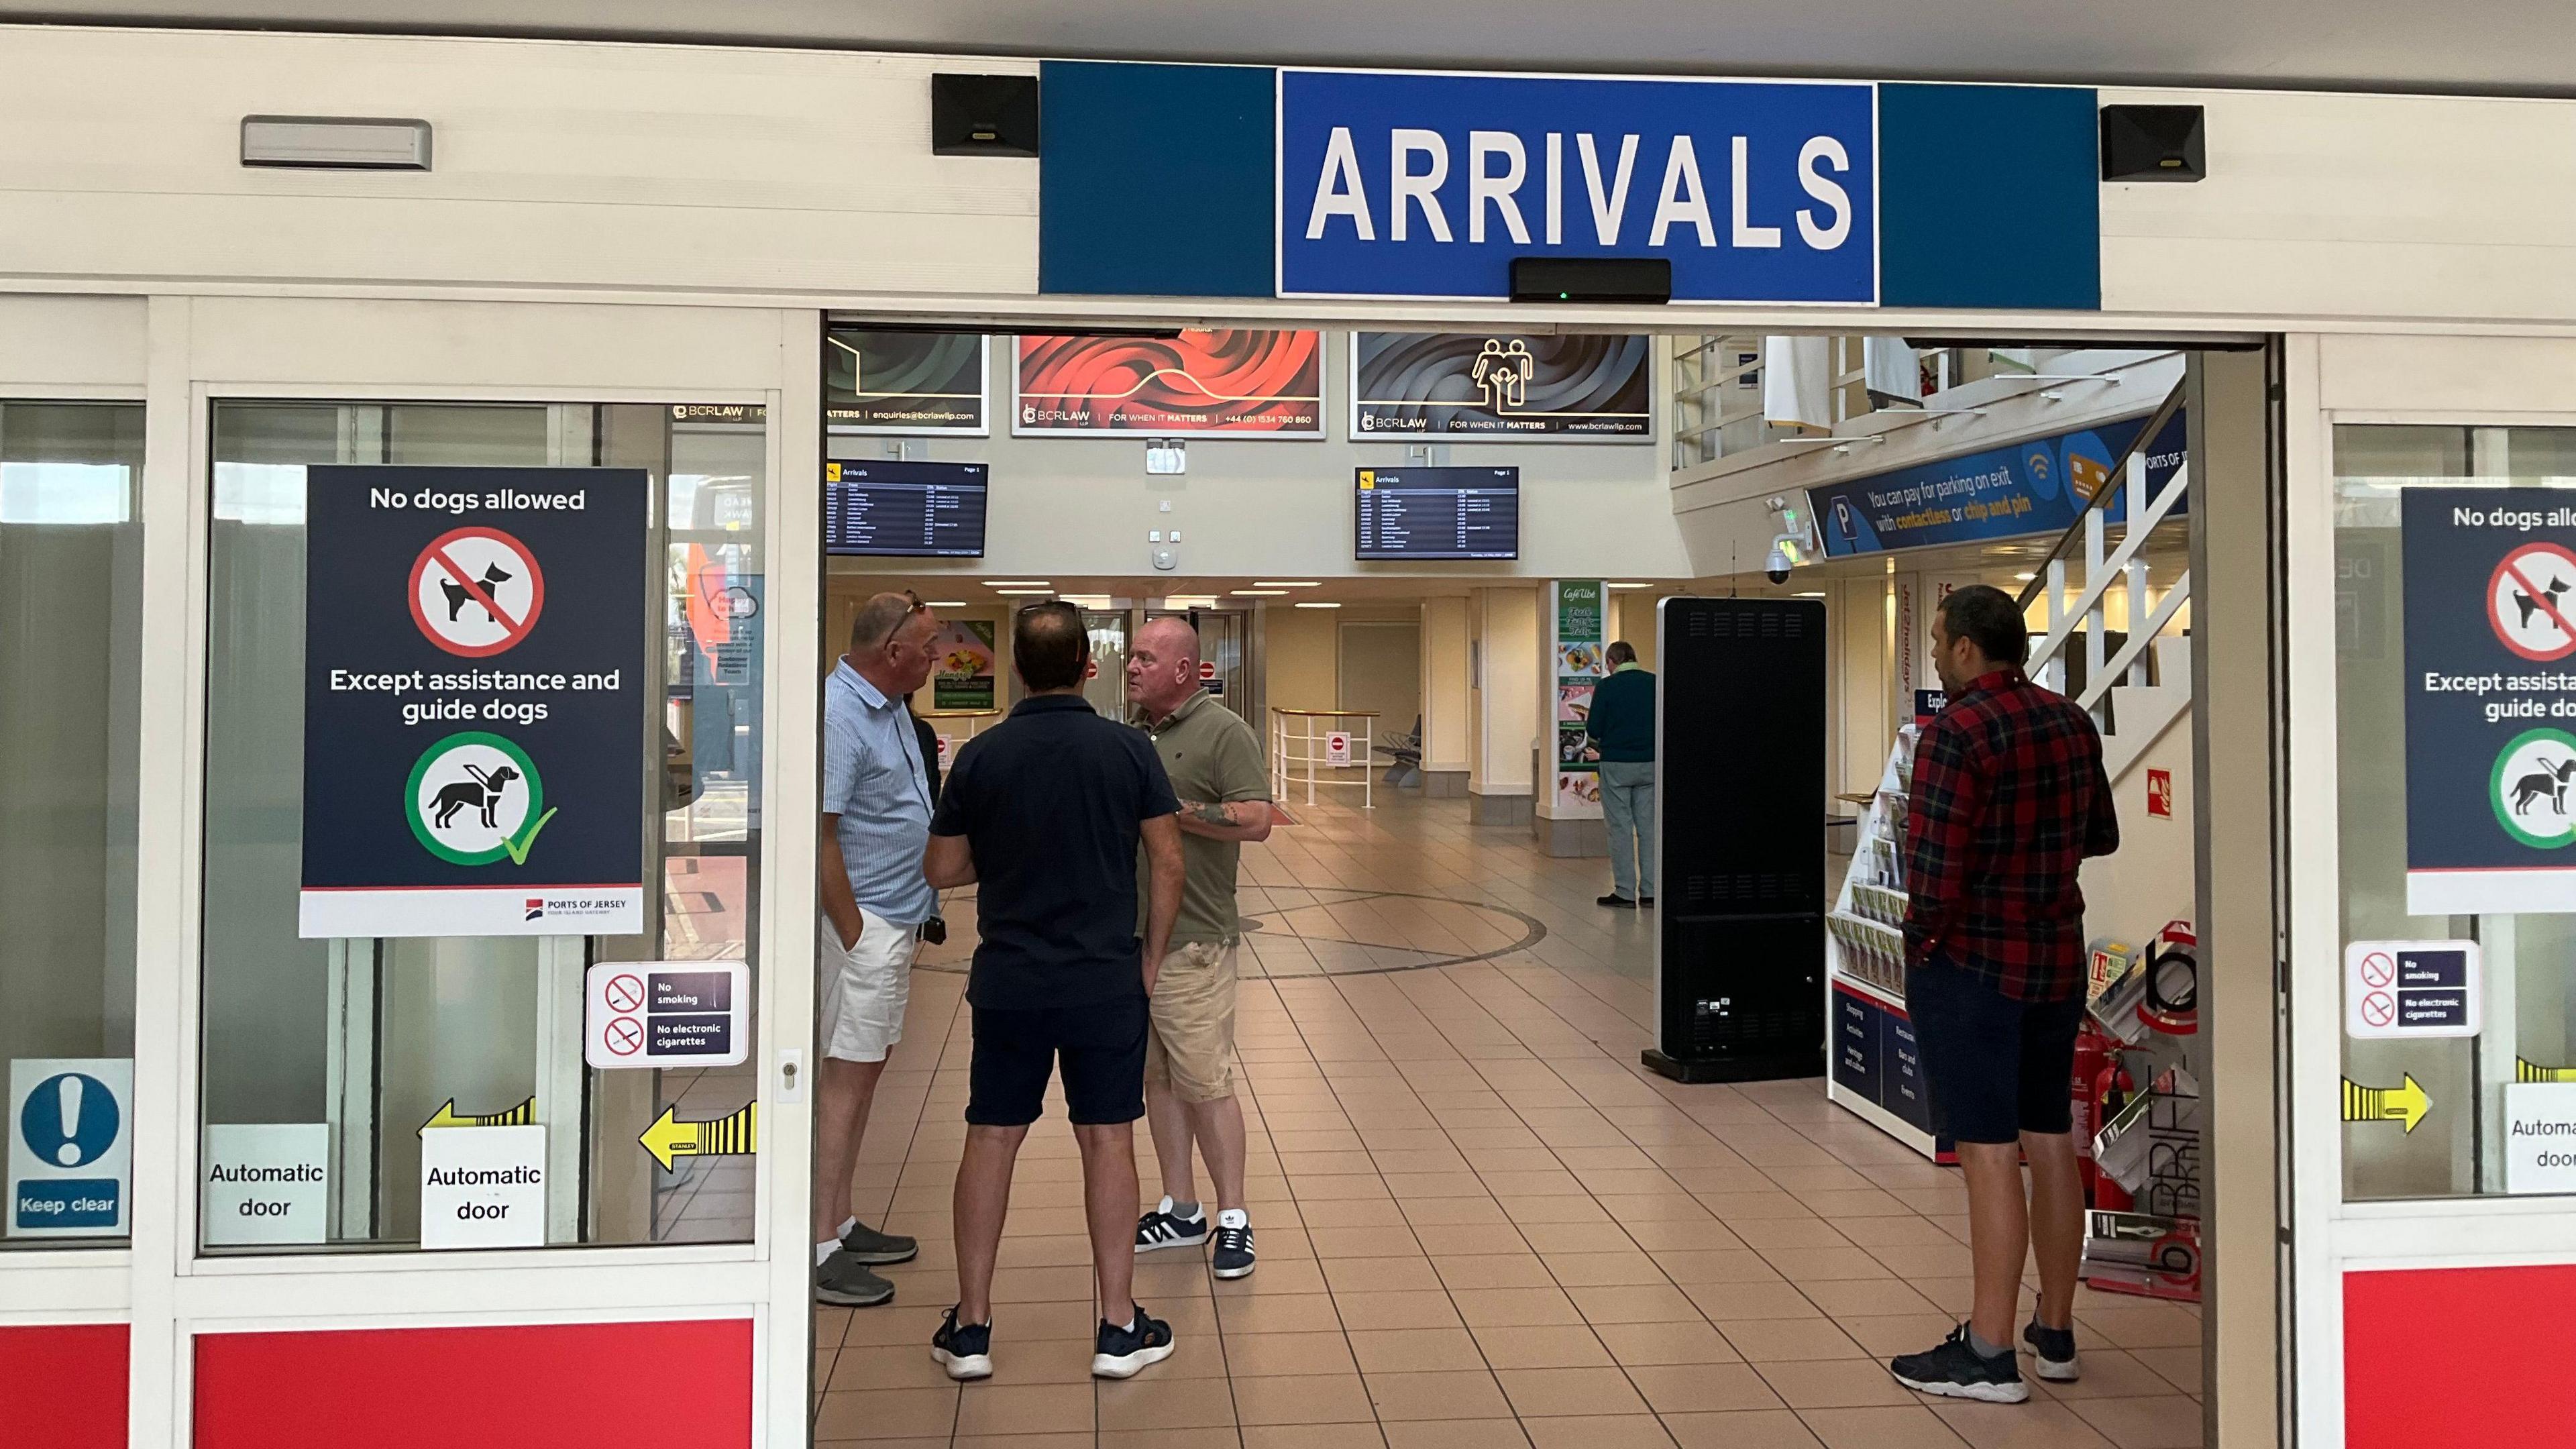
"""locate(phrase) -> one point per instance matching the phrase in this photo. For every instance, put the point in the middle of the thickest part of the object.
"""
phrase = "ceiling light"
(1318, 605)
(1190, 601)
(1017, 584)
(1812, 594)
(2025, 576)
(1286, 584)
(945, 604)
(1024, 593)
(1632, 586)
(1256, 593)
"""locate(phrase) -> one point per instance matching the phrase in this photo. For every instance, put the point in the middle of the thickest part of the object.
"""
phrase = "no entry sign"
(2490, 690)
(474, 717)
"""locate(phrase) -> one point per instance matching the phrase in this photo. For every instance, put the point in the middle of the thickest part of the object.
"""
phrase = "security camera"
(1783, 557)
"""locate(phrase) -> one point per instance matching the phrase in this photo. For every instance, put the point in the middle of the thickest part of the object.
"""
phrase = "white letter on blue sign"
(1683, 200)
(1607, 213)
(1423, 188)
(1824, 148)
(1483, 187)
(1347, 198)
(1747, 234)
(1555, 187)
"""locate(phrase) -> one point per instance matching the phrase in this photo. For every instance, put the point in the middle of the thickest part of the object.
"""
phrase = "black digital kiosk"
(1740, 836)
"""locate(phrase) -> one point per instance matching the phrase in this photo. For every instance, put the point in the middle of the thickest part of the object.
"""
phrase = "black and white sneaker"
(1119, 1353)
(2055, 1349)
(1233, 1255)
(1163, 1228)
(964, 1349)
(1956, 1370)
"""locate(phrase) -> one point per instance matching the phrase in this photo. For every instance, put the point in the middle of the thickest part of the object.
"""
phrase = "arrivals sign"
(474, 715)
(2040, 486)
(2490, 700)
(1415, 184)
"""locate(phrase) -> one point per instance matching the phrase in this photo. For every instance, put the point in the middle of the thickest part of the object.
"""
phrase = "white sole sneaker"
(1982, 1393)
(963, 1366)
(2059, 1372)
(1198, 1242)
(1127, 1366)
(1231, 1273)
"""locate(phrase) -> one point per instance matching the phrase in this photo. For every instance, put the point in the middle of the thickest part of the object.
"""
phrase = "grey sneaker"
(878, 1249)
(845, 1282)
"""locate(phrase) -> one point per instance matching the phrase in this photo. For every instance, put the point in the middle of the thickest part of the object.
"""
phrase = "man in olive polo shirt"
(1214, 761)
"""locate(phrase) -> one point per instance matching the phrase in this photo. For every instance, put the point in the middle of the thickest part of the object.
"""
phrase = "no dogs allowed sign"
(474, 701)
(2490, 598)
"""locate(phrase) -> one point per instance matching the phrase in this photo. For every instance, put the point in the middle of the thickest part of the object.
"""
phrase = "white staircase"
(2141, 713)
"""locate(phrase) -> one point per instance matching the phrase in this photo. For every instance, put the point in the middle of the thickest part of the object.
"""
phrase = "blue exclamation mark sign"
(69, 1121)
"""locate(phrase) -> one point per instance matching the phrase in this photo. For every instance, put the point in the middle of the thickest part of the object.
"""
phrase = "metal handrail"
(2102, 496)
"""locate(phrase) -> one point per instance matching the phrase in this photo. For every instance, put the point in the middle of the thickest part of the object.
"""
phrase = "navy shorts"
(1102, 1046)
(1996, 1067)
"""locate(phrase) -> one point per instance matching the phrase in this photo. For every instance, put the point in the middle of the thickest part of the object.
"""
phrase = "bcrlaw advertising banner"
(475, 744)
(1239, 381)
(1584, 386)
(1414, 184)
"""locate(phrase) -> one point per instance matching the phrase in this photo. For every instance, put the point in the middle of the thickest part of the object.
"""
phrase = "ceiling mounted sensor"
(984, 115)
(1592, 279)
(335, 143)
(2153, 143)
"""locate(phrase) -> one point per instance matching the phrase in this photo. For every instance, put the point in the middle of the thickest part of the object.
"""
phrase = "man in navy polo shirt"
(1044, 813)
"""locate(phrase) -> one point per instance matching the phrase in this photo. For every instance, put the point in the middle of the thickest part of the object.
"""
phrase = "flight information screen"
(903, 509)
(1439, 513)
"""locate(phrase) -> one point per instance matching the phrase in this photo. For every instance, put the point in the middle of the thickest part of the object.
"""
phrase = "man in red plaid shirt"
(2007, 800)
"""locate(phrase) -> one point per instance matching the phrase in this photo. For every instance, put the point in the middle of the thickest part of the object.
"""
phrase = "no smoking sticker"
(2530, 599)
(2411, 988)
(478, 591)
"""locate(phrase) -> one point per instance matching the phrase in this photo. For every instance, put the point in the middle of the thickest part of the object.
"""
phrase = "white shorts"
(864, 987)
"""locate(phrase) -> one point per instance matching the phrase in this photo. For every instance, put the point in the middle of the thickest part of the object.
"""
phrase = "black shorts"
(1103, 1048)
(1996, 1067)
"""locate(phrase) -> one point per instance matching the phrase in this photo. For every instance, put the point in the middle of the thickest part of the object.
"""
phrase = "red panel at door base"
(552, 1386)
(2458, 1356)
(68, 1379)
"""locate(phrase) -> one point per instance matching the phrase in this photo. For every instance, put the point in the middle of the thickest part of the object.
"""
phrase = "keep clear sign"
(474, 720)
(2490, 700)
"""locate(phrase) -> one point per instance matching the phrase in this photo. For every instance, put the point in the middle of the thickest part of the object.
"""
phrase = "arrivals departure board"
(1439, 513)
(897, 509)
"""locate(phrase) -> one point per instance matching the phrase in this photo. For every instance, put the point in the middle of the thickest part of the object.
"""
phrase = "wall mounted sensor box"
(2153, 143)
(1592, 279)
(335, 143)
(984, 115)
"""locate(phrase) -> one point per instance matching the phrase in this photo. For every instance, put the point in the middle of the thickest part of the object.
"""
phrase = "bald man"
(1214, 761)
(875, 823)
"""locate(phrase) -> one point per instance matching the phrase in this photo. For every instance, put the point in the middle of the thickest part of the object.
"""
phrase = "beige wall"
(1445, 704)
(1631, 616)
(1301, 667)
(1505, 703)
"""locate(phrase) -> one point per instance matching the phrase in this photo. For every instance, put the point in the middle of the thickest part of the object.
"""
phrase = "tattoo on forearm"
(1215, 815)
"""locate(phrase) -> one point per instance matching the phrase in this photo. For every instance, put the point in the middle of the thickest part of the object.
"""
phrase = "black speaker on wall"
(983, 115)
(1740, 840)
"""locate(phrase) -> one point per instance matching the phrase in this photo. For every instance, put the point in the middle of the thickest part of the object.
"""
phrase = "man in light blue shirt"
(875, 823)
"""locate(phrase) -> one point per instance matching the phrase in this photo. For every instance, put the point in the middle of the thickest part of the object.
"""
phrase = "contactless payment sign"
(474, 715)
(71, 1147)
(2490, 607)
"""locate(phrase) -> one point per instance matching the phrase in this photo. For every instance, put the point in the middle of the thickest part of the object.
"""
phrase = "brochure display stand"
(1876, 1070)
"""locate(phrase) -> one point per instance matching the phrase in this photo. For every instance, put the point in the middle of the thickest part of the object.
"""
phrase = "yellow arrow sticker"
(669, 1140)
(2405, 1102)
(522, 1115)
(2524, 1071)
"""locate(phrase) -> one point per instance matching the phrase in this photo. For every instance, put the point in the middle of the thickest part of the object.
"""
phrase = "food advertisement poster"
(1569, 387)
(1241, 382)
(961, 665)
(905, 382)
(1578, 641)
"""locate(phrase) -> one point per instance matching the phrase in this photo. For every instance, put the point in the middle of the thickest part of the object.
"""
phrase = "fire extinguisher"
(2112, 1086)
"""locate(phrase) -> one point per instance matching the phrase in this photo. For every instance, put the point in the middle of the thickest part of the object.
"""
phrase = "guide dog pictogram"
(482, 793)
(2549, 781)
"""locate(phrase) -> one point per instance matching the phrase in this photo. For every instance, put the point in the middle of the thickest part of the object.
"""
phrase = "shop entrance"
(1473, 1204)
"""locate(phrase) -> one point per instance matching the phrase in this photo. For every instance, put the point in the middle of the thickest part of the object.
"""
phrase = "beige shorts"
(865, 987)
(1192, 1045)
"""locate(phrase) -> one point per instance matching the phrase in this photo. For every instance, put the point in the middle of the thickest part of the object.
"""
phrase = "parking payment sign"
(71, 1147)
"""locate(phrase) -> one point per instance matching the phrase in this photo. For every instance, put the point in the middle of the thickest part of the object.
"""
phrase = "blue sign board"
(1408, 184)
(2038, 486)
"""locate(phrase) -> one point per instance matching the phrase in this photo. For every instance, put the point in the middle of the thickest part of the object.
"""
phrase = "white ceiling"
(2509, 46)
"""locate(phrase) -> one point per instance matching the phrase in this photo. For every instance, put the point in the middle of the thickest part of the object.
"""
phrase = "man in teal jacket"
(1622, 728)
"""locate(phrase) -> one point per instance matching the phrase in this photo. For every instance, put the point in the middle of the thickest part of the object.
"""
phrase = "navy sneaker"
(1233, 1255)
(1119, 1353)
(2055, 1349)
(1162, 1228)
(964, 1349)
(1956, 1370)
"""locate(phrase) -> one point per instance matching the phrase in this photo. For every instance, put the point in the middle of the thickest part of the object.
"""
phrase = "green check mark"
(519, 848)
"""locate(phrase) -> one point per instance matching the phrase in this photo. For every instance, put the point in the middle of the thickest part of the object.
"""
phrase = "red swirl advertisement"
(1234, 380)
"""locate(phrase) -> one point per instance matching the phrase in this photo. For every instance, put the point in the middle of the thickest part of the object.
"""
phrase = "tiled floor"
(1481, 1224)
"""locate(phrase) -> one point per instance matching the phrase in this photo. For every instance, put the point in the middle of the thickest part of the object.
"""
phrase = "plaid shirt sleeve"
(1947, 797)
